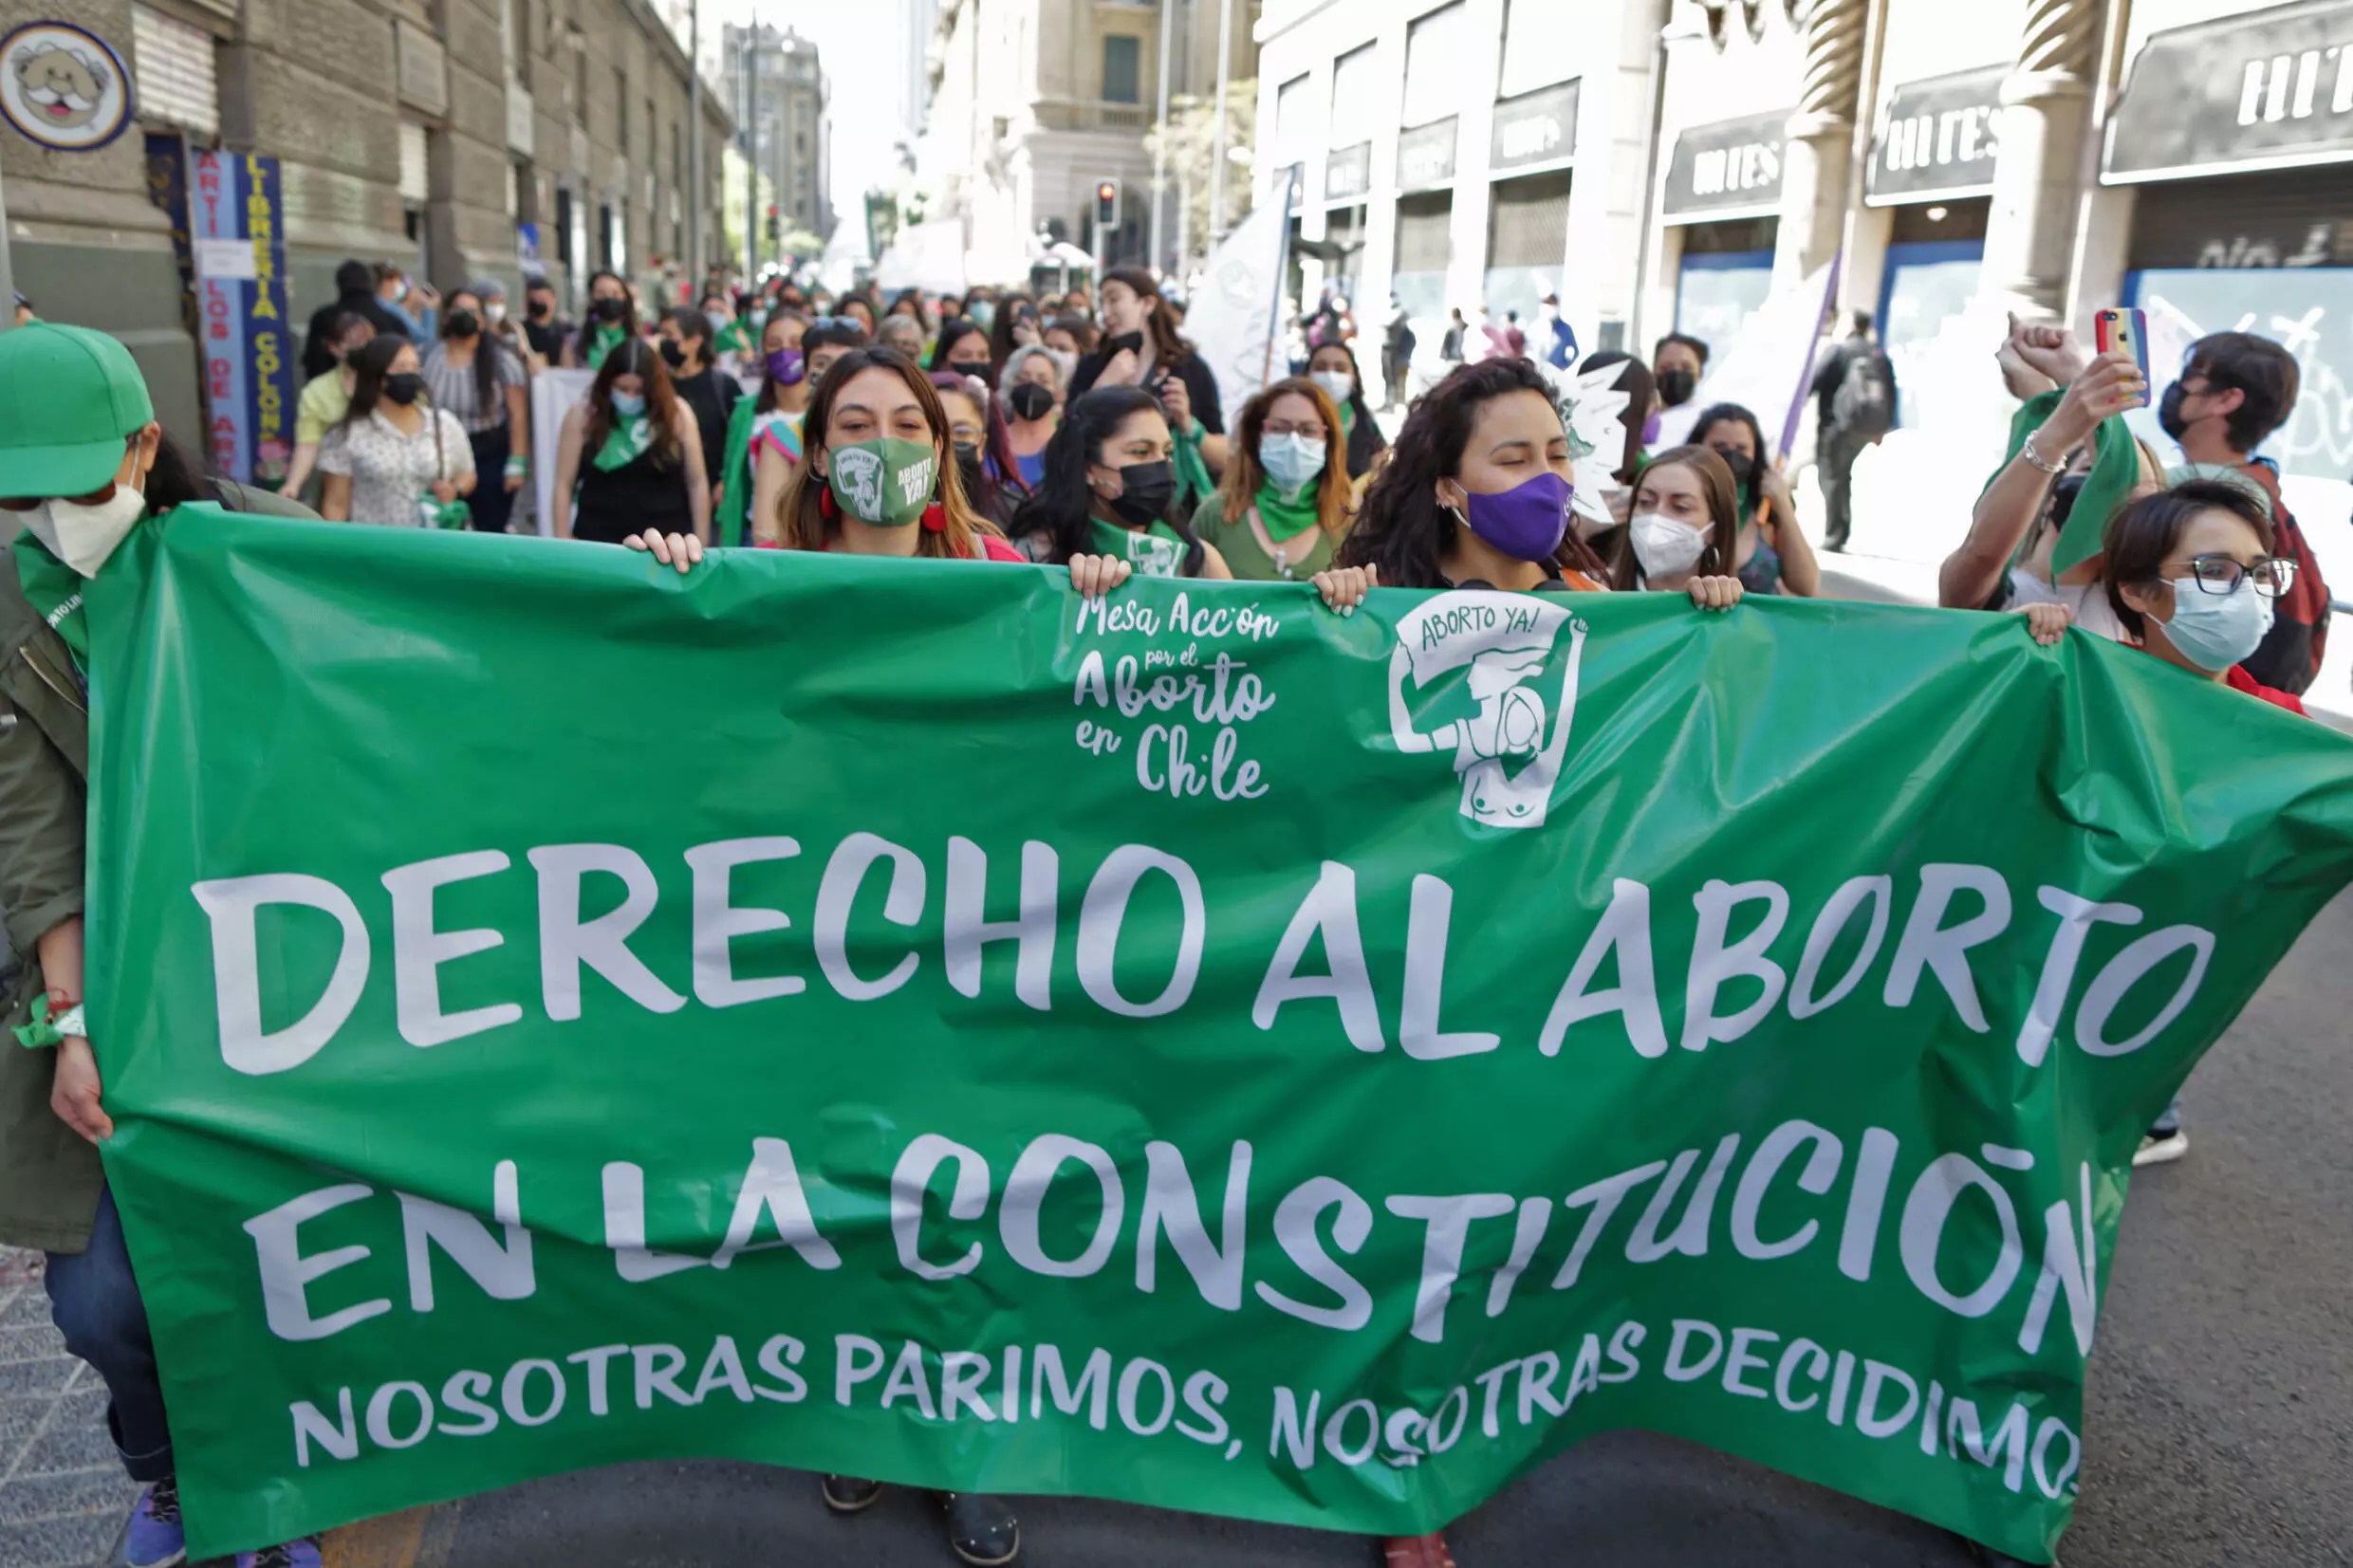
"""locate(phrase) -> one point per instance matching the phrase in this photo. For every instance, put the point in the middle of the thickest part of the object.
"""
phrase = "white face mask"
(1338, 385)
(494, 311)
(83, 537)
(1665, 547)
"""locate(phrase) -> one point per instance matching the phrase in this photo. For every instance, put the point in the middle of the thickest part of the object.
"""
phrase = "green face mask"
(886, 482)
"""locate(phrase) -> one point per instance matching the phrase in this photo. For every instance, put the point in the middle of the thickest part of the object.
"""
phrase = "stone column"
(2045, 115)
(1821, 139)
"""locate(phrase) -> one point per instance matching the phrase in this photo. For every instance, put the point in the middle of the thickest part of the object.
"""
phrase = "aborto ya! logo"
(1508, 750)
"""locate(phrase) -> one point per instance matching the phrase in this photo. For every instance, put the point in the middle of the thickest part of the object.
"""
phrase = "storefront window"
(1727, 272)
(1423, 250)
(1436, 66)
(1538, 48)
(1934, 254)
(2309, 309)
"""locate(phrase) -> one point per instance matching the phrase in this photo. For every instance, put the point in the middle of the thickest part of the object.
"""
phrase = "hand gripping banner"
(887, 1018)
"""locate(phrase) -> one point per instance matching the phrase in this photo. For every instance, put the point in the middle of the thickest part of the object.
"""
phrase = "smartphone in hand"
(2124, 329)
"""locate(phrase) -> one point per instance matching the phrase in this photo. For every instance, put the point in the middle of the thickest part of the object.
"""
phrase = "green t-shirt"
(322, 407)
(1247, 558)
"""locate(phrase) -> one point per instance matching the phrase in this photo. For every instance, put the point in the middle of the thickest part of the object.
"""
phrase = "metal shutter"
(2300, 217)
(173, 63)
(1528, 221)
(1422, 221)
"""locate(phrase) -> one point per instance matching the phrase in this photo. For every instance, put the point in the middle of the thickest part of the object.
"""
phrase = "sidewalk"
(62, 1496)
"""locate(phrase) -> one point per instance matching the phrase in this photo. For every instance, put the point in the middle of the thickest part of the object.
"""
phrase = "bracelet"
(518, 467)
(2026, 450)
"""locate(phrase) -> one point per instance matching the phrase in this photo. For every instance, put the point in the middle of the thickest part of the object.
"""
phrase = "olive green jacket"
(49, 1176)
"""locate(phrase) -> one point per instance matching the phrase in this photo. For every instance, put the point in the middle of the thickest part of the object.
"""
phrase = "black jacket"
(319, 347)
(1201, 386)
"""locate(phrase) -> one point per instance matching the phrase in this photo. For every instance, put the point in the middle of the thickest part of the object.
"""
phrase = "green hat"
(68, 397)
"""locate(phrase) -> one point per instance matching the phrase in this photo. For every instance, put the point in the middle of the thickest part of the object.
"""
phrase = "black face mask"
(1146, 488)
(1031, 401)
(2169, 411)
(1132, 342)
(673, 353)
(608, 310)
(1677, 386)
(464, 323)
(968, 466)
(405, 388)
(1744, 469)
(541, 309)
(970, 367)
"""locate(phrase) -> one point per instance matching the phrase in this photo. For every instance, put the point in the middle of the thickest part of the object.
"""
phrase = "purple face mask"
(1527, 522)
(786, 366)
(1650, 429)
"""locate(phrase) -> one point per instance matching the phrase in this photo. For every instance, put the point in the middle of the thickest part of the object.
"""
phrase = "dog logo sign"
(1508, 647)
(62, 86)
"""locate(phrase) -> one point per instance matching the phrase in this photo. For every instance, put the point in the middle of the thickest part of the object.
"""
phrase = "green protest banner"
(884, 1017)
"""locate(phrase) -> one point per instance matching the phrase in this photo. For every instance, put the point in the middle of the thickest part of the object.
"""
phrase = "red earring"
(825, 503)
(936, 516)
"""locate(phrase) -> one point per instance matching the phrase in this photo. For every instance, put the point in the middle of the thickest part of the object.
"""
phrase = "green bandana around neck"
(886, 482)
(623, 442)
(54, 590)
(1193, 475)
(2116, 467)
(1156, 551)
(607, 338)
(1347, 418)
(1287, 520)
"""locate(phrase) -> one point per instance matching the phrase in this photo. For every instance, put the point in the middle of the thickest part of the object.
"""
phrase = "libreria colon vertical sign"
(1192, 1050)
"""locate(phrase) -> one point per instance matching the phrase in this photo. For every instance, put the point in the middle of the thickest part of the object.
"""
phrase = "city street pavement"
(2218, 1424)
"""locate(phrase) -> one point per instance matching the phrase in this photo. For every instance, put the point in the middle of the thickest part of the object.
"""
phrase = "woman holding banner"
(643, 467)
(1476, 492)
(1110, 489)
(1686, 524)
(1284, 506)
(80, 453)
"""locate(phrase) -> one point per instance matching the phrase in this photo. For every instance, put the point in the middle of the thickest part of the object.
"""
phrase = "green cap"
(68, 397)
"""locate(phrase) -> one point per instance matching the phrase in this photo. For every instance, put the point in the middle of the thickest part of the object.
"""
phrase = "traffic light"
(775, 224)
(1106, 204)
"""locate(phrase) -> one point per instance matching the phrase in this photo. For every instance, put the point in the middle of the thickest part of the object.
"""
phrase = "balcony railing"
(1088, 115)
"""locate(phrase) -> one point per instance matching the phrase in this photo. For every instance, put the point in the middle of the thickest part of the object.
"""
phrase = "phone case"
(2124, 329)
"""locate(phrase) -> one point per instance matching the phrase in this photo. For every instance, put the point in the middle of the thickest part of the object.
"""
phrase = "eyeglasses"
(2222, 574)
(850, 322)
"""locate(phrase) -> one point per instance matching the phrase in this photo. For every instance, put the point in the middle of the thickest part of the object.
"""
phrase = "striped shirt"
(451, 387)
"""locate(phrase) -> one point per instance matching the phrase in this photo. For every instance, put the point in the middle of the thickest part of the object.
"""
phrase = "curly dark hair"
(1403, 529)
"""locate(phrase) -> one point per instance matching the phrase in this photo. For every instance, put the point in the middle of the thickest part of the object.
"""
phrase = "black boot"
(848, 1495)
(981, 1529)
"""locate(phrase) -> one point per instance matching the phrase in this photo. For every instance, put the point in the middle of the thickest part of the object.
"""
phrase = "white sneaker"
(2162, 1149)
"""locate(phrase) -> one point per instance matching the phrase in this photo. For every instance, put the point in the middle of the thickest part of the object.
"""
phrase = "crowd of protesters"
(1081, 431)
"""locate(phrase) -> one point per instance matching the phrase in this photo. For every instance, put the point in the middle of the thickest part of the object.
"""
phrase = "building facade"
(1446, 154)
(778, 93)
(1032, 103)
(457, 139)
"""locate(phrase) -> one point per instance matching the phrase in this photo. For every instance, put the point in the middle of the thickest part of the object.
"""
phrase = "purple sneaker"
(152, 1537)
(294, 1554)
